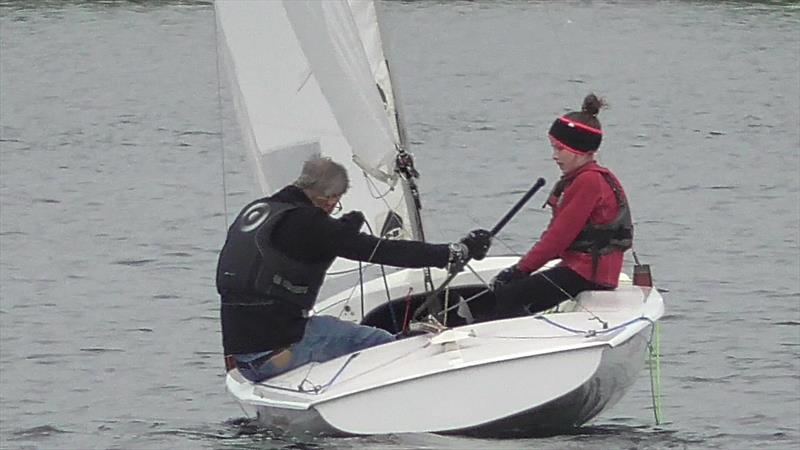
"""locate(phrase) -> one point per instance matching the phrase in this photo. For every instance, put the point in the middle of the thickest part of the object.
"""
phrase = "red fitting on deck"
(642, 276)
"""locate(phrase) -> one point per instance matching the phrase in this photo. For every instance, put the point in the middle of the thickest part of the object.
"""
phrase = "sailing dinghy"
(311, 77)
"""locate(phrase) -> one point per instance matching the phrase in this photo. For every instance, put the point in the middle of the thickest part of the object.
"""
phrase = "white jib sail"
(302, 84)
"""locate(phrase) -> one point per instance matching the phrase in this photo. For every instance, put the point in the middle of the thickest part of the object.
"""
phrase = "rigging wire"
(388, 207)
(514, 252)
(383, 275)
(221, 121)
(360, 284)
(374, 191)
(569, 297)
(353, 270)
(345, 300)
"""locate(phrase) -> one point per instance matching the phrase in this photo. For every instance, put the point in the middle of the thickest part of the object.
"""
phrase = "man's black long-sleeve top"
(311, 235)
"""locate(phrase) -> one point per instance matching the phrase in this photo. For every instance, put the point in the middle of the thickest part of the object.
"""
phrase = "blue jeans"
(325, 338)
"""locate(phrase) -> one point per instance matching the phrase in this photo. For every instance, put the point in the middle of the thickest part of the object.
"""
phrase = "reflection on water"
(112, 208)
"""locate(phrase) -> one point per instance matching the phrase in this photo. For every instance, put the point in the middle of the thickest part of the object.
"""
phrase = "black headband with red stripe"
(575, 135)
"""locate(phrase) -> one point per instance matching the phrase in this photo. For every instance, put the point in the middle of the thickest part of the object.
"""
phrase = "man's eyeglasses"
(337, 208)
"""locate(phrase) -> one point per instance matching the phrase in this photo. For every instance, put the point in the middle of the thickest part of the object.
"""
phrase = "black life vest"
(600, 239)
(266, 295)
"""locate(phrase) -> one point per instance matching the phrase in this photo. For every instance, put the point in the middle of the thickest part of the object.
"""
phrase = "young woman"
(589, 231)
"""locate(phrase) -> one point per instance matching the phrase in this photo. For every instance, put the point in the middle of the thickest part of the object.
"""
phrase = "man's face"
(329, 203)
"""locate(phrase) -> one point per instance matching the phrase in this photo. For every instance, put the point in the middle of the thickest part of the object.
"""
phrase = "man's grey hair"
(324, 176)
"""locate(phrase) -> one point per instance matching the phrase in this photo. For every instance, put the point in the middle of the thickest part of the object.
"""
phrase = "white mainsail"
(366, 19)
(304, 78)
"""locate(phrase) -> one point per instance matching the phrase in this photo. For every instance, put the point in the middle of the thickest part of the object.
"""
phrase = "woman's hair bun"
(592, 104)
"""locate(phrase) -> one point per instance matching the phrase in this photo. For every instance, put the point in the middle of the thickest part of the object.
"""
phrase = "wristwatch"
(458, 251)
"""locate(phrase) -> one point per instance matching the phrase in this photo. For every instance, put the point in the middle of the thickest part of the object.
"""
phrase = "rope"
(654, 357)
(654, 364)
(317, 389)
(594, 332)
(376, 194)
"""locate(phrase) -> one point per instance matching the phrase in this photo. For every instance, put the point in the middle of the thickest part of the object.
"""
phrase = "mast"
(405, 166)
(408, 175)
(366, 16)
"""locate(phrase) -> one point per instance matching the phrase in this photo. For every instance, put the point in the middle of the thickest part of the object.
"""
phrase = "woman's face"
(568, 160)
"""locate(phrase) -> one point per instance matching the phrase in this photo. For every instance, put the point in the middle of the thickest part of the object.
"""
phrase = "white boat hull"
(484, 393)
(616, 372)
(526, 376)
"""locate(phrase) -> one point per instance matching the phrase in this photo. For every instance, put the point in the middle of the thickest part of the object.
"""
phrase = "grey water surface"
(117, 179)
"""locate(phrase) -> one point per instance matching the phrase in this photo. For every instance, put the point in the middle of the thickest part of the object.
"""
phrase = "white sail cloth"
(304, 78)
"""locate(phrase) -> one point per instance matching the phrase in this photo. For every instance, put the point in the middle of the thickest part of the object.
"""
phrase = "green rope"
(654, 362)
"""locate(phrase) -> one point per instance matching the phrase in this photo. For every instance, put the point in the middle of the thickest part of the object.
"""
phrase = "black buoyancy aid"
(265, 294)
(595, 238)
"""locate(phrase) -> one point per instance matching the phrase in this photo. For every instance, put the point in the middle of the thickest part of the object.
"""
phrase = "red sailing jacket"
(587, 197)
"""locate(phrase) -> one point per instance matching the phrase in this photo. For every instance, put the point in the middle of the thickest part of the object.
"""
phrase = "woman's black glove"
(507, 275)
(353, 220)
(478, 243)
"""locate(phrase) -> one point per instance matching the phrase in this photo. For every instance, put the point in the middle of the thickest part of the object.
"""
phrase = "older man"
(274, 262)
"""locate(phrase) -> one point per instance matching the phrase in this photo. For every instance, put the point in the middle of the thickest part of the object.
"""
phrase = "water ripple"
(37, 432)
(101, 350)
(133, 262)
(717, 380)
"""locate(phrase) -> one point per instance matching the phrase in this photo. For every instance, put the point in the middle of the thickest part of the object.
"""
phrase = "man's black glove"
(353, 220)
(478, 242)
(507, 275)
